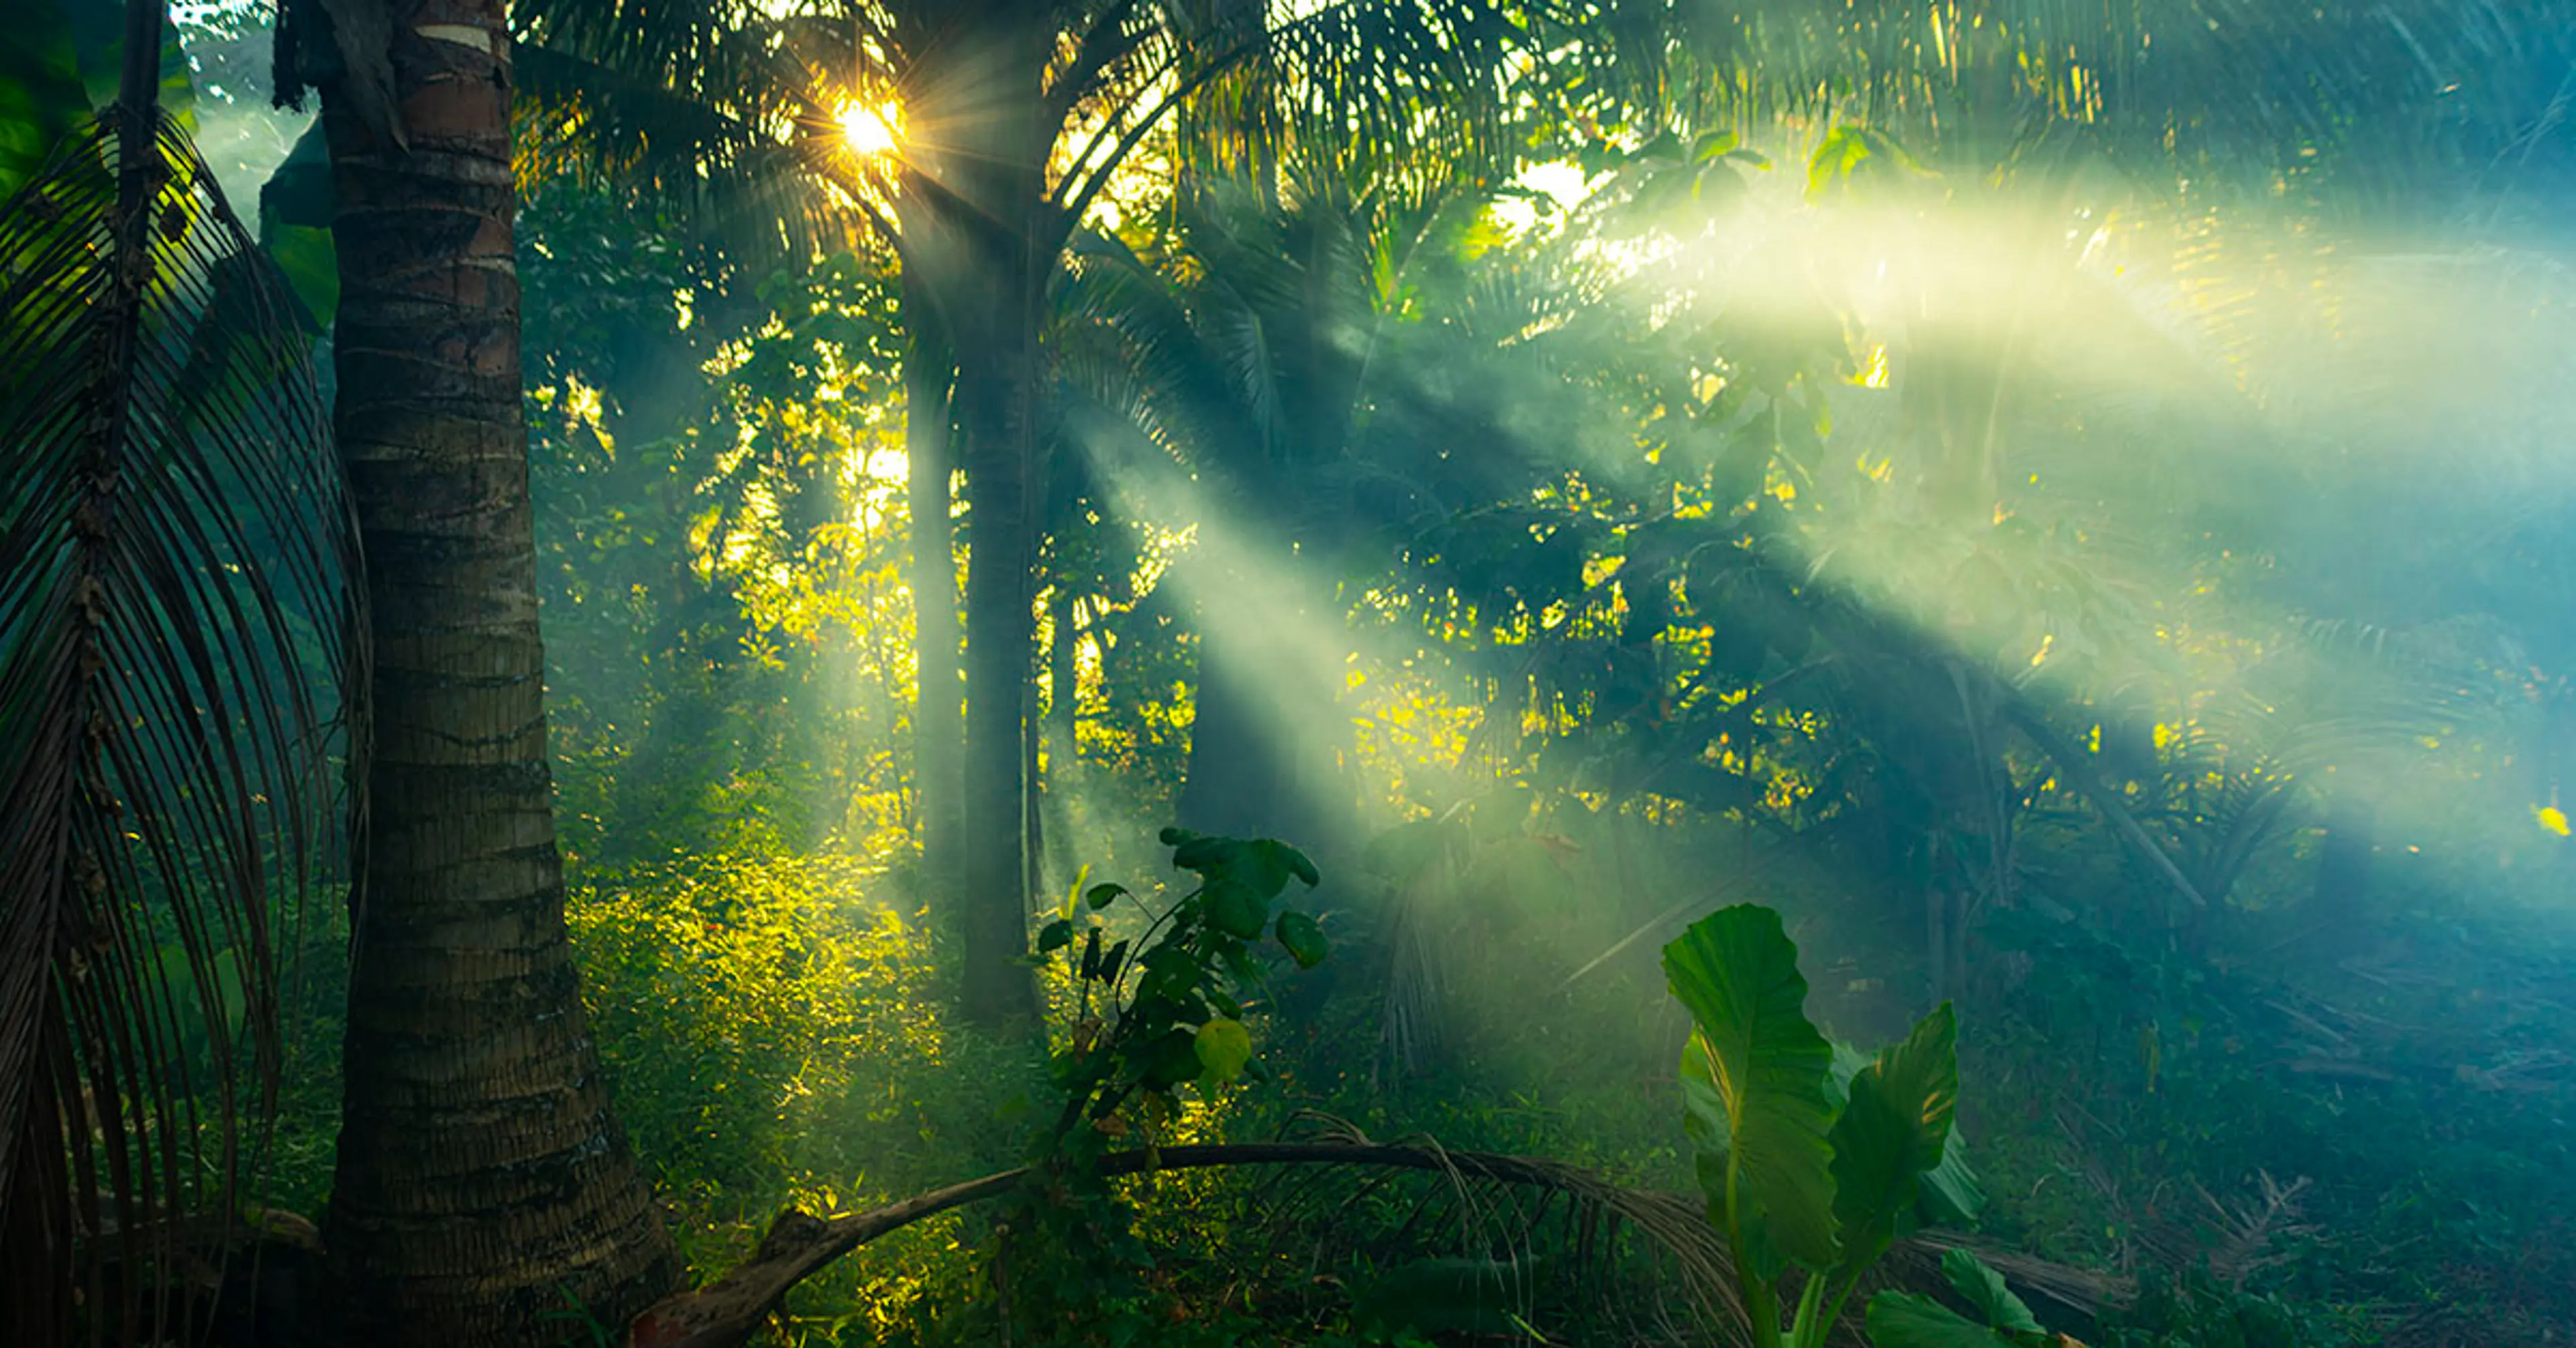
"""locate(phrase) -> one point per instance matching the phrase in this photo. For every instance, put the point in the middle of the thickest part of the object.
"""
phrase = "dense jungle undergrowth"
(2252, 1145)
(2260, 1141)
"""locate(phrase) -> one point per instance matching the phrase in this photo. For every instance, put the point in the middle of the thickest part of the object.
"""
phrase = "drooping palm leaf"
(177, 575)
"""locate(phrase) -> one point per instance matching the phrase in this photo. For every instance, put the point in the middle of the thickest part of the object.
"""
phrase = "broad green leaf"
(1223, 1047)
(1200, 852)
(1235, 910)
(1101, 896)
(1737, 972)
(1904, 1320)
(1169, 1059)
(1303, 938)
(1843, 149)
(310, 262)
(42, 98)
(1951, 1194)
(1055, 936)
(1262, 865)
(1298, 865)
(1984, 1289)
(1891, 1131)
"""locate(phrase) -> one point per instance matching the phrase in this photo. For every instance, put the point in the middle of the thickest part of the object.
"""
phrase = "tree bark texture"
(980, 102)
(483, 1180)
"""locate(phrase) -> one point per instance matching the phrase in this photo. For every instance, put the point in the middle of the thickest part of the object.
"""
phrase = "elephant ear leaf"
(1984, 1289)
(1904, 1320)
(1757, 1084)
(1951, 1195)
(1893, 1129)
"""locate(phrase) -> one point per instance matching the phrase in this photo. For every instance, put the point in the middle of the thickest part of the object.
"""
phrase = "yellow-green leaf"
(1224, 1048)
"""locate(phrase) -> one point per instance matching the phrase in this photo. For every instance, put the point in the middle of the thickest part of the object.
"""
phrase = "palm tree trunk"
(483, 1180)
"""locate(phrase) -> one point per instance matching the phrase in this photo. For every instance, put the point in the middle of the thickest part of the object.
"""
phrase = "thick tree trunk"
(994, 907)
(1239, 780)
(483, 1181)
(938, 718)
(986, 192)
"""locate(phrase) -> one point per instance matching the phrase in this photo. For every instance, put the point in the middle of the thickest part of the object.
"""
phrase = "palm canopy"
(738, 115)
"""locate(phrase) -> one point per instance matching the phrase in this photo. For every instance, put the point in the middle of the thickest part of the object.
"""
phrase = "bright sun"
(868, 129)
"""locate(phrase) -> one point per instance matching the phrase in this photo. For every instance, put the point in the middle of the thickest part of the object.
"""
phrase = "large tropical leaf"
(1764, 1068)
(177, 572)
(1895, 1127)
(1906, 1320)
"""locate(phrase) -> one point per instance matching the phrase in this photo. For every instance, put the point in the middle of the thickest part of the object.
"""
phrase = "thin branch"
(2073, 765)
(727, 1312)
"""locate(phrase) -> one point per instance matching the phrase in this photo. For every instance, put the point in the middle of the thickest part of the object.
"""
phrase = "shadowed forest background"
(2066, 509)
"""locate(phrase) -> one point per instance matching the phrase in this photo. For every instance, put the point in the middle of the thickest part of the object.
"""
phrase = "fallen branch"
(726, 1312)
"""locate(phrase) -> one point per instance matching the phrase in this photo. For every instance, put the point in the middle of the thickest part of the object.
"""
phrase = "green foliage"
(1154, 1012)
(61, 64)
(1754, 1077)
(1904, 1320)
(773, 1026)
(1174, 1011)
(1803, 1164)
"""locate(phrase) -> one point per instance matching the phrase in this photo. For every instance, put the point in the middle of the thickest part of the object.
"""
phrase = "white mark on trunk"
(463, 35)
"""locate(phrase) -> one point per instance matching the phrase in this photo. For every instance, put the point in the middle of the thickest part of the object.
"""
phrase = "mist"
(1415, 673)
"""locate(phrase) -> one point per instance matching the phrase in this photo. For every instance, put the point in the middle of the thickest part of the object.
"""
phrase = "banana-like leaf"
(1894, 1128)
(1762, 1067)
(178, 576)
(1984, 1289)
(1904, 1320)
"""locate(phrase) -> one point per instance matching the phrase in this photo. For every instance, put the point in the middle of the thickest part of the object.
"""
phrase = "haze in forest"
(695, 618)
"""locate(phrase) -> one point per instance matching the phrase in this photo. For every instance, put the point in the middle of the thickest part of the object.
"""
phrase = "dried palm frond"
(177, 579)
(2248, 1233)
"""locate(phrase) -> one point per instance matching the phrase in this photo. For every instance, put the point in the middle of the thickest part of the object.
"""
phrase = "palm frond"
(178, 573)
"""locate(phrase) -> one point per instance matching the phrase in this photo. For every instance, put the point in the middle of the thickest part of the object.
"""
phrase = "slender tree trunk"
(988, 281)
(483, 1181)
(1063, 758)
(938, 718)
